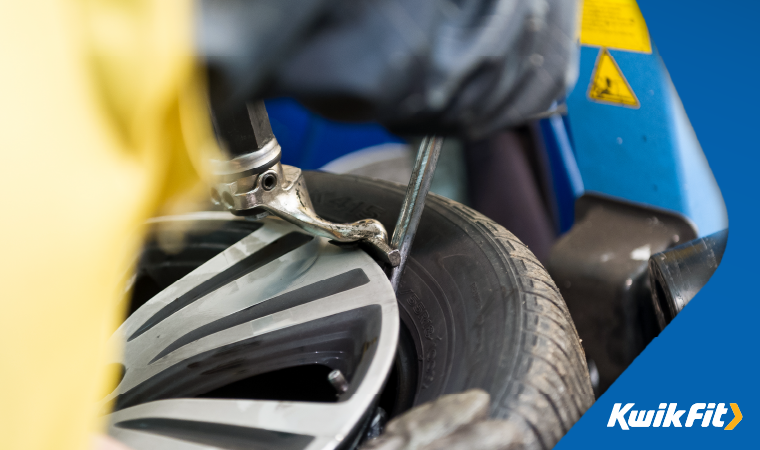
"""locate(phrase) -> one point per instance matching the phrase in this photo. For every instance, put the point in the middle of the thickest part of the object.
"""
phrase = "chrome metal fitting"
(281, 191)
(266, 156)
(338, 381)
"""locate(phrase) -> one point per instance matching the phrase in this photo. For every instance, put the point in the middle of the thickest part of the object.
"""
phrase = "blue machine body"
(648, 155)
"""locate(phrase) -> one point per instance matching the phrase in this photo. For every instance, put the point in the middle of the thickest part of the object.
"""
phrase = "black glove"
(418, 66)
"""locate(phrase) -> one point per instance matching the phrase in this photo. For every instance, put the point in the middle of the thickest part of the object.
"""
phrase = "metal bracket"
(255, 183)
(281, 191)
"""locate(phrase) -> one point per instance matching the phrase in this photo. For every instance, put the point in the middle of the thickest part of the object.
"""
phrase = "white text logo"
(705, 414)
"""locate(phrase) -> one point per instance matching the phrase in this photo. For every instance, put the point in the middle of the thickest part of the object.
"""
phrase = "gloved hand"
(452, 422)
(418, 66)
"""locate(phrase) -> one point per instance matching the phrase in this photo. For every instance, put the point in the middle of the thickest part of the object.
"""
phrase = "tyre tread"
(552, 374)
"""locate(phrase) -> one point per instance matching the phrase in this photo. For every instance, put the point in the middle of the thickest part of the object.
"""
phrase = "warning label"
(616, 24)
(608, 85)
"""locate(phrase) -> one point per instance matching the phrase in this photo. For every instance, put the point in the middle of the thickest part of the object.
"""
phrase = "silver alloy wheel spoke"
(273, 300)
(318, 422)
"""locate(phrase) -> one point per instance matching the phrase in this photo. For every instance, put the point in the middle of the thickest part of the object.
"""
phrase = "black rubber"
(481, 309)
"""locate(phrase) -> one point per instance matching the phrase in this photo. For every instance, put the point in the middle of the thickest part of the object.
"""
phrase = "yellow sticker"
(616, 24)
(608, 85)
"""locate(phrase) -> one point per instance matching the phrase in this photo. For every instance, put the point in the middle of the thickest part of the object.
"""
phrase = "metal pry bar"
(414, 202)
(255, 183)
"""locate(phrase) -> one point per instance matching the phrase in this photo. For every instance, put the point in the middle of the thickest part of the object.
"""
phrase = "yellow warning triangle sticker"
(608, 85)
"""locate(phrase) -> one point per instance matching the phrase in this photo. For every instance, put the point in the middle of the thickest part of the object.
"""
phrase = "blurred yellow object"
(104, 123)
(615, 24)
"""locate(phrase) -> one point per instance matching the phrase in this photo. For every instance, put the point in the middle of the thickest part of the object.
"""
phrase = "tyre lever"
(414, 203)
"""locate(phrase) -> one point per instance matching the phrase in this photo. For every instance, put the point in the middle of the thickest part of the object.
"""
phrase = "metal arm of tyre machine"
(255, 183)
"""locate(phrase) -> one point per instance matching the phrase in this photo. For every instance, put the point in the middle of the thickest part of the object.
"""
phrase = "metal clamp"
(248, 189)
(281, 191)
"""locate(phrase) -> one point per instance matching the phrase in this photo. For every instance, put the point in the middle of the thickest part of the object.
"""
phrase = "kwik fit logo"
(704, 414)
